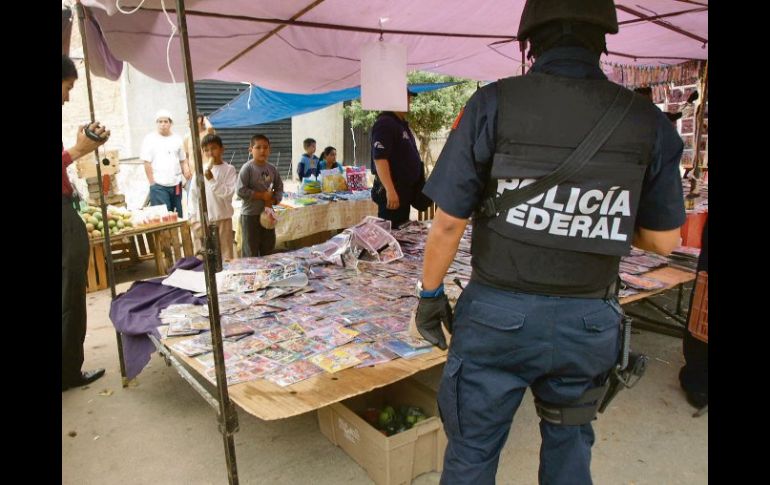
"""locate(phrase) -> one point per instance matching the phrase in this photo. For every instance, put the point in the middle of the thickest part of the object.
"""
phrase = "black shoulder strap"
(491, 206)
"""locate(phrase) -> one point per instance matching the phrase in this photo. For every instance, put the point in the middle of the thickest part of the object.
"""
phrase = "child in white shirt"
(219, 178)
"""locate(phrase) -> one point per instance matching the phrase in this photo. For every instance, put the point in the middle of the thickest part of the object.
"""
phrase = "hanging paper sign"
(383, 76)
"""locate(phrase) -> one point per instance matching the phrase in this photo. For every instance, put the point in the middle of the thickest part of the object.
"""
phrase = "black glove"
(431, 312)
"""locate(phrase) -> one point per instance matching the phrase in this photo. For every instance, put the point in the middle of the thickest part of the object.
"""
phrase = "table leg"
(91, 275)
(160, 264)
(679, 296)
(665, 311)
(176, 245)
(133, 252)
(187, 244)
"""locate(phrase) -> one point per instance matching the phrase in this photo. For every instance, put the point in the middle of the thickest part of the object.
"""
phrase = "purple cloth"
(101, 61)
(135, 314)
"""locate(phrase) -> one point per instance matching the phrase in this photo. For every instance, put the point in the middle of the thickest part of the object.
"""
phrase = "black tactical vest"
(568, 241)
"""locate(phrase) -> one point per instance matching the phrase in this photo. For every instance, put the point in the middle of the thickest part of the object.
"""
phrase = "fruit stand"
(164, 241)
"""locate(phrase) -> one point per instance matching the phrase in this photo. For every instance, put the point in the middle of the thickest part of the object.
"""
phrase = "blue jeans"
(170, 196)
(504, 342)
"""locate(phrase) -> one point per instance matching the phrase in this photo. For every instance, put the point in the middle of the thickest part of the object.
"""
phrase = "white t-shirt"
(219, 193)
(164, 153)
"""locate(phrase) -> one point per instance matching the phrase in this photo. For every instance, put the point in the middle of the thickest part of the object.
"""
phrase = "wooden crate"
(97, 269)
(170, 245)
(123, 256)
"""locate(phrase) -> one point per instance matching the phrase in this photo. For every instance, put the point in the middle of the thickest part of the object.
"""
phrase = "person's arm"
(148, 172)
(186, 169)
(84, 145)
(193, 202)
(187, 145)
(184, 165)
(207, 173)
(383, 172)
(317, 167)
(244, 190)
(66, 158)
(385, 135)
(301, 169)
(661, 205)
(224, 186)
(145, 154)
(456, 185)
(660, 242)
(440, 248)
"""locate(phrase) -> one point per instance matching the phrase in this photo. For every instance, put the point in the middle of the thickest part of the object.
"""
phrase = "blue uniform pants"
(504, 342)
(170, 196)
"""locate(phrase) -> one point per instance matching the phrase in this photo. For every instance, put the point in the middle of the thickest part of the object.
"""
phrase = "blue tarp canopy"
(258, 105)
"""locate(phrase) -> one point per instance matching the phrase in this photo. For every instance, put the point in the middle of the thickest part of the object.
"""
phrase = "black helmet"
(539, 12)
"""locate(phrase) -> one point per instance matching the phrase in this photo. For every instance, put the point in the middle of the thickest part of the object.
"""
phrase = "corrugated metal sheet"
(212, 95)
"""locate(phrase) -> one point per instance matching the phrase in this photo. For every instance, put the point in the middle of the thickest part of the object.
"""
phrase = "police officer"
(396, 164)
(541, 309)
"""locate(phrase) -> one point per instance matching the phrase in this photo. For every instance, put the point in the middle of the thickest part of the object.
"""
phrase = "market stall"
(325, 216)
(374, 302)
(164, 239)
(311, 215)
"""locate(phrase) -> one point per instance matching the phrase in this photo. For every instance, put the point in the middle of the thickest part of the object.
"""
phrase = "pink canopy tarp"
(321, 51)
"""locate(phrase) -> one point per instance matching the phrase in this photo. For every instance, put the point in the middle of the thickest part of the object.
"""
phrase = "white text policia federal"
(575, 217)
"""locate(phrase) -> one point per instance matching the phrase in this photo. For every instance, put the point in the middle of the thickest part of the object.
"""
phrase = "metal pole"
(228, 419)
(105, 219)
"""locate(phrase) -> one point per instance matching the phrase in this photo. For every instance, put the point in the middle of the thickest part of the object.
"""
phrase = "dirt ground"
(160, 431)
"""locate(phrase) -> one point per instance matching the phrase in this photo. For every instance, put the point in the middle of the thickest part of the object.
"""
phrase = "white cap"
(163, 113)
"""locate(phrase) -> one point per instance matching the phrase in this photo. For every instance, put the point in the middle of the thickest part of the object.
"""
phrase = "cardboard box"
(86, 166)
(389, 460)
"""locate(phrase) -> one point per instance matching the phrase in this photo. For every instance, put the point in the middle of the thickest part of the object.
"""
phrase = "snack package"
(333, 181)
(356, 178)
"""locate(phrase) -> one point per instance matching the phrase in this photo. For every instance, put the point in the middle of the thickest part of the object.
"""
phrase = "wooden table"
(305, 221)
(268, 401)
(302, 222)
(673, 278)
(165, 243)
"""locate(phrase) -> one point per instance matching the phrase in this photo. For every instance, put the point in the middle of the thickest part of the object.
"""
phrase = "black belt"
(609, 293)
(66, 200)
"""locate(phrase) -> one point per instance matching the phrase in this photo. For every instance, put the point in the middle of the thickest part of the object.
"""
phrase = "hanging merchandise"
(638, 76)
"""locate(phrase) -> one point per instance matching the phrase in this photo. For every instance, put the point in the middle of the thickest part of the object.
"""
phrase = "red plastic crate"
(692, 230)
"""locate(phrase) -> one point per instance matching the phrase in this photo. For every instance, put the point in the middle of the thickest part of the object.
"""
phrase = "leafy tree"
(430, 112)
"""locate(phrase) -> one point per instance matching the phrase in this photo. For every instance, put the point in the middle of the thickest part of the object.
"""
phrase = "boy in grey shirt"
(259, 186)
